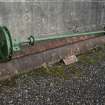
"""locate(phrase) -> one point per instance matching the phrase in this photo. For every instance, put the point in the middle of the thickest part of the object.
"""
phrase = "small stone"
(51, 84)
(48, 99)
(70, 59)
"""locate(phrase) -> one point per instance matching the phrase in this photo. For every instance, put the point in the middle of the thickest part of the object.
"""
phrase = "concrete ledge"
(51, 56)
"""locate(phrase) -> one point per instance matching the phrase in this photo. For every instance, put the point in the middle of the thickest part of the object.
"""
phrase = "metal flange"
(6, 48)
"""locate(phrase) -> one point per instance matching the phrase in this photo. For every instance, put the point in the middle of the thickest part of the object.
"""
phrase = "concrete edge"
(31, 62)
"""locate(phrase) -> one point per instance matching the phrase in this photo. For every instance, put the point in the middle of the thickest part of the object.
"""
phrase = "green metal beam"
(66, 35)
(8, 46)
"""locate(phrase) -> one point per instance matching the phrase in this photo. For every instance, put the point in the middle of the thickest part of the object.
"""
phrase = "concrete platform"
(33, 61)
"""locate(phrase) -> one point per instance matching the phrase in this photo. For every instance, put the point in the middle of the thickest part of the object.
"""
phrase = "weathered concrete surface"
(38, 17)
(47, 17)
(34, 61)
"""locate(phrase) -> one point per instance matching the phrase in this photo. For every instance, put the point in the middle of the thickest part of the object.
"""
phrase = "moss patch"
(94, 56)
(58, 70)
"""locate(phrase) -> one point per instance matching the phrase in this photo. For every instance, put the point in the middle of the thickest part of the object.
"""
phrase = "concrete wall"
(39, 17)
(50, 16)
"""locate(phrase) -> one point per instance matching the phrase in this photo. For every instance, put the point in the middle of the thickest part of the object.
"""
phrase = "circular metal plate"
(6, 49)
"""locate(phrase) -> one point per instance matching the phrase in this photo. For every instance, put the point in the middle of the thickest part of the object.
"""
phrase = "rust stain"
(43, 46)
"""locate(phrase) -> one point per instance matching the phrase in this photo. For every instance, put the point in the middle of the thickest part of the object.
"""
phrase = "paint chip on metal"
(70, 59)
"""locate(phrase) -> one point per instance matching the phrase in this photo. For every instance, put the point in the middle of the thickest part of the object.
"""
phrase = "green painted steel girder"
(8, 45)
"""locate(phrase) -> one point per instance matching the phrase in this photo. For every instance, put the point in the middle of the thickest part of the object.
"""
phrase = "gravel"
(86, 86)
